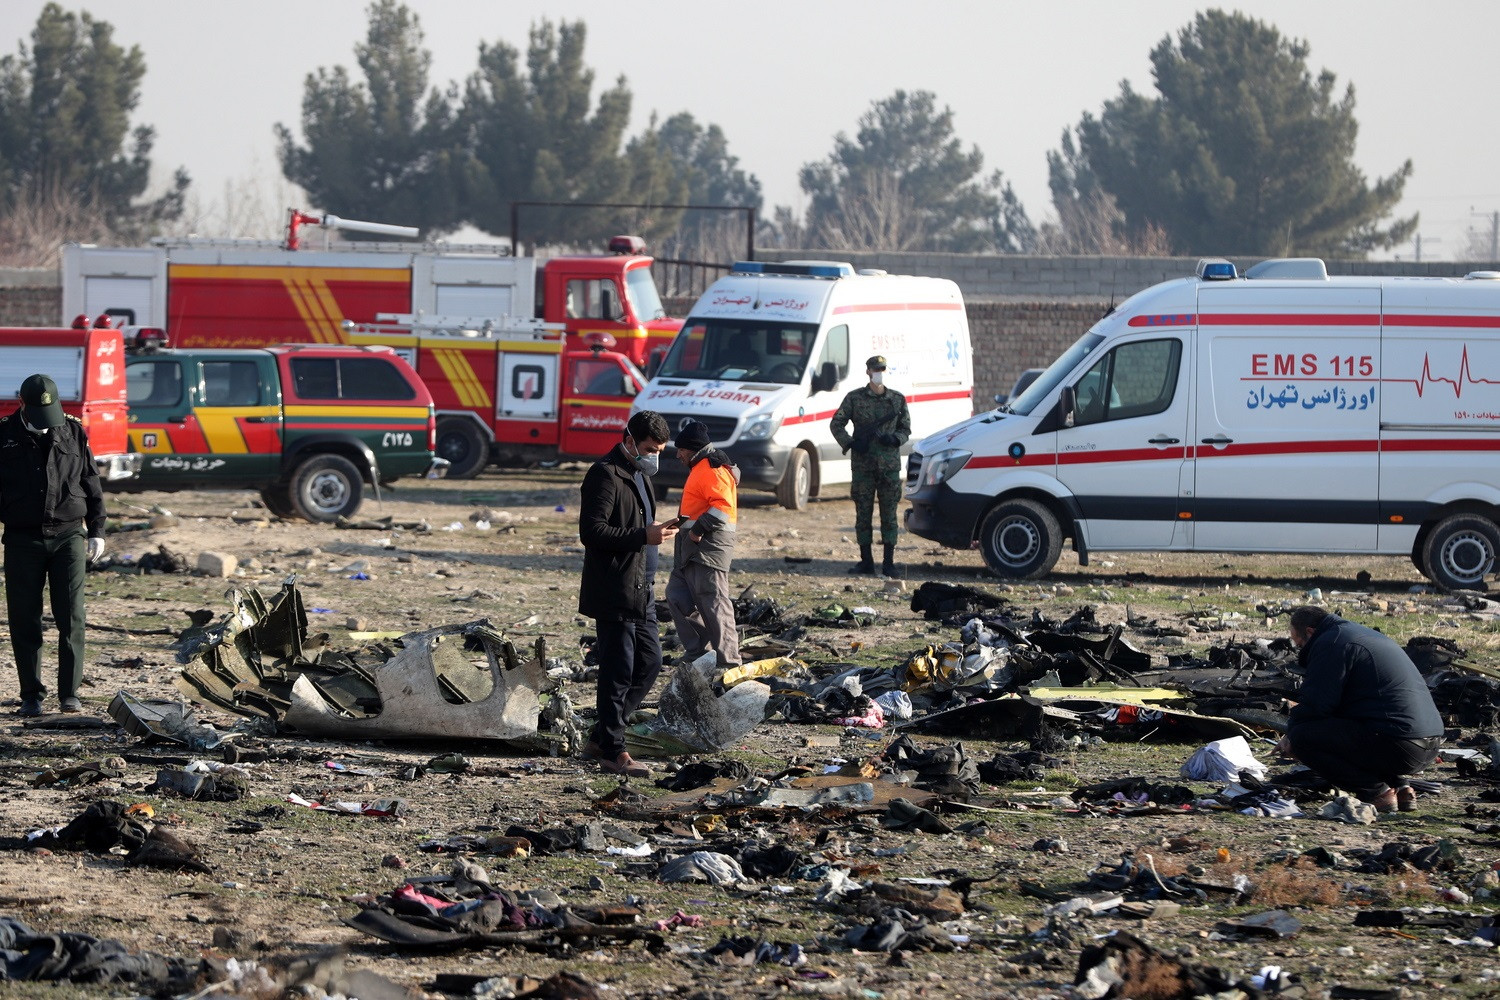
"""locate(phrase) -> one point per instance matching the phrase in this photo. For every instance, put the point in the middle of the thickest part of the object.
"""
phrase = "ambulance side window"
(153, 383)
(836, 350)
(1133, 380)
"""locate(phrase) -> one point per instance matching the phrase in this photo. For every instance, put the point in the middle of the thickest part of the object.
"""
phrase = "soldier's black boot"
(888, 566)
(866, 564)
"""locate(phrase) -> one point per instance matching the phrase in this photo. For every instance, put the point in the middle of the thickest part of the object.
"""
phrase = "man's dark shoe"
(70, 705)
(888, 566)
(31, 707)
(1386, 801)
(1406, 799)
(625, 766)
(865, 567)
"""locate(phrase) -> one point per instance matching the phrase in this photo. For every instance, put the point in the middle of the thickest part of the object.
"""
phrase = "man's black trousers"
(629, 655)
(1357, 760)
(34, 563)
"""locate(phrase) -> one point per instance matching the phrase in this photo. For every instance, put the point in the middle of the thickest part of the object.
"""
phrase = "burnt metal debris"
(464, 681)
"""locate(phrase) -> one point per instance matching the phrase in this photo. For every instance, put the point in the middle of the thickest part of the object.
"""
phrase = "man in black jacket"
(53, 511)
(618, 589)
(1365, 719)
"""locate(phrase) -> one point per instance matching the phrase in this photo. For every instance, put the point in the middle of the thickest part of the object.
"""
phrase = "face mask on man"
(877, 378)
(648, 464)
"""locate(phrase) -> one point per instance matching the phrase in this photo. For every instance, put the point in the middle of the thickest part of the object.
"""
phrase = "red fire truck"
(87, 361)
(551, 400)
(254, 293)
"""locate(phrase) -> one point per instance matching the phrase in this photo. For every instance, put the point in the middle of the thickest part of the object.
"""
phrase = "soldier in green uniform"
(882, 424)
(53, 510)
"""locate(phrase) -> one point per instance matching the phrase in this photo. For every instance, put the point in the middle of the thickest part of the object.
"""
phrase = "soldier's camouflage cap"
(875, 364)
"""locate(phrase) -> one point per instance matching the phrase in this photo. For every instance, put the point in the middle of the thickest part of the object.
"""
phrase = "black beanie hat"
(693, 436)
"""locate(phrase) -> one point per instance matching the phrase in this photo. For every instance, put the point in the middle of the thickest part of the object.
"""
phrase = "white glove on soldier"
(96, 549)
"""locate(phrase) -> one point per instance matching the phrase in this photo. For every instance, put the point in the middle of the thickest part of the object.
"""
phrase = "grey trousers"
(703, 613)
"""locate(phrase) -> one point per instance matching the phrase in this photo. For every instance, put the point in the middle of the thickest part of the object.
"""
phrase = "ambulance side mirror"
(1067, 403)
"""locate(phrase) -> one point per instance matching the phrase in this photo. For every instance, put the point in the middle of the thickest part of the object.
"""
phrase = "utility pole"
(1494, 218)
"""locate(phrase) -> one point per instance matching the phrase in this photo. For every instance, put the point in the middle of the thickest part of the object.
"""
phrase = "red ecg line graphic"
(1464, 376)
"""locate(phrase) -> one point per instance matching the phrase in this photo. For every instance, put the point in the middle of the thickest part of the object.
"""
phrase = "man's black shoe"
(70, 705)
(863, 568)
(31, 707)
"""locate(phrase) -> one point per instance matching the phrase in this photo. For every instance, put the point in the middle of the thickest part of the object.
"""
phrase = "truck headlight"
(760, 428)
(944, 465)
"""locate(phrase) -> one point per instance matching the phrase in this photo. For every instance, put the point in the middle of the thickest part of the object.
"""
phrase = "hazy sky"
(782, 78)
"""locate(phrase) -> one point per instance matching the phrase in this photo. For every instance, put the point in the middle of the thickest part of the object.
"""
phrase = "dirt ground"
(278, 892)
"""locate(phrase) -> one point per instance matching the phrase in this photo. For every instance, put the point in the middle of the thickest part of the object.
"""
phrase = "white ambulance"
(768, 353)
(1278, 411)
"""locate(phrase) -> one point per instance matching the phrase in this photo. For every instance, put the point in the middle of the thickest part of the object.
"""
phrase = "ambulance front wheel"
(796, 483)
(1020, 539)
(464, 445)
(1461, 551)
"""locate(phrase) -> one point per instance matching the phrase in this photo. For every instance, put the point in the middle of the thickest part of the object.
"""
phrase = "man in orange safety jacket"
(698, 591)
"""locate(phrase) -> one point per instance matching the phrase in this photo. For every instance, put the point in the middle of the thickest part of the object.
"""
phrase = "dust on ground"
(283, 888)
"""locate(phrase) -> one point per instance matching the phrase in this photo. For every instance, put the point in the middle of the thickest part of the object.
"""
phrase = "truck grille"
(913, 470)
(720, 429)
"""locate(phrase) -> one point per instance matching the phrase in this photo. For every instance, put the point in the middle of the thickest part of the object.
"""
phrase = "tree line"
(1241, 149)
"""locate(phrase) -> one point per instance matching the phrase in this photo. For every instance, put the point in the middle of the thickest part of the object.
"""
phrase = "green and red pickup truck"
(308, 425)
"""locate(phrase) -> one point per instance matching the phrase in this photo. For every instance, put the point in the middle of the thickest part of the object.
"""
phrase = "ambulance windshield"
(640, 288)
(740, 350)
(1055, 373)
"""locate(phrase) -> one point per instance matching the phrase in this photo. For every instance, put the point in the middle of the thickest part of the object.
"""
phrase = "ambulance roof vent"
(1215, 269)
(872, 272)
(1303, 268)
(1483, 276)
(805, 268)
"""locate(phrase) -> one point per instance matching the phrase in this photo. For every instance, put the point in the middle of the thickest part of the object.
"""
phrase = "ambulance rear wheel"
(464, 445)
(796, 483)
(278, 500)
(326, 488)
(1461, 551)
(1020, 539)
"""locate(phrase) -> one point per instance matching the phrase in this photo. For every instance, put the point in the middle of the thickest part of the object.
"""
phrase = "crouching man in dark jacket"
(1365, 719)
(620, 543)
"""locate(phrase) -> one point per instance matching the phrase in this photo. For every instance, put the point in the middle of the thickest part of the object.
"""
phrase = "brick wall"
(29, 297)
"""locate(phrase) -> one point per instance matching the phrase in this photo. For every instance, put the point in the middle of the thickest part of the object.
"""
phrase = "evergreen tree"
(712, 176)
(385, 149)
(906, 182)
(1243, 151)
(65, 107)
(539, 136)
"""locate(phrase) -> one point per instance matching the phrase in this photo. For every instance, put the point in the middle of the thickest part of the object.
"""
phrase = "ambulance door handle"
(1162, 440)
(1218, 439)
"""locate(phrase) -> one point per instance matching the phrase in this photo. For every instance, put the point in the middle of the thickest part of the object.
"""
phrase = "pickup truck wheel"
(278, 500)
(326, 487)
(1021, 540)
(464, 446)
(796, 483)
(1461, 551)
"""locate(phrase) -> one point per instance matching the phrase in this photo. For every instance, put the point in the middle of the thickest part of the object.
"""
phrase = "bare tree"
(1481, 243)
(1093, 224)
(38, 224)
(872, 214)
(252, 205)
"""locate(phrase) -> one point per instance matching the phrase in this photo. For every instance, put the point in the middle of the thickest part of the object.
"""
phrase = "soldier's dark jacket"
(48, 482)
(865, 408)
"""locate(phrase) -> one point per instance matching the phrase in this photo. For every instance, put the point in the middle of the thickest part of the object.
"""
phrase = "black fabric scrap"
(700, 773)
(903, 814)
(946, 770)
(82, 958)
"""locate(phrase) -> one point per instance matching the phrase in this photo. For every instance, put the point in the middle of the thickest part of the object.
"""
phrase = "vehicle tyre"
(326, 488)
(1418, 558)
(464, 445)
(278, 500)
(1461, 551)
(1020, 540)
(796, 483)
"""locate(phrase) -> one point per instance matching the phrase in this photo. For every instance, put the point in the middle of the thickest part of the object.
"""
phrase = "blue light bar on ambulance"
(809, 269)
(1215, 269)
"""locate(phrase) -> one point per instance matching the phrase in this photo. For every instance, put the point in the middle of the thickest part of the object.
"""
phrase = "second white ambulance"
(1278, 411)
(768, 352)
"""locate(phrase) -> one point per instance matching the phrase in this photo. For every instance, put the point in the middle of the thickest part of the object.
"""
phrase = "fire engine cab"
(215, 293)
(550, 400)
